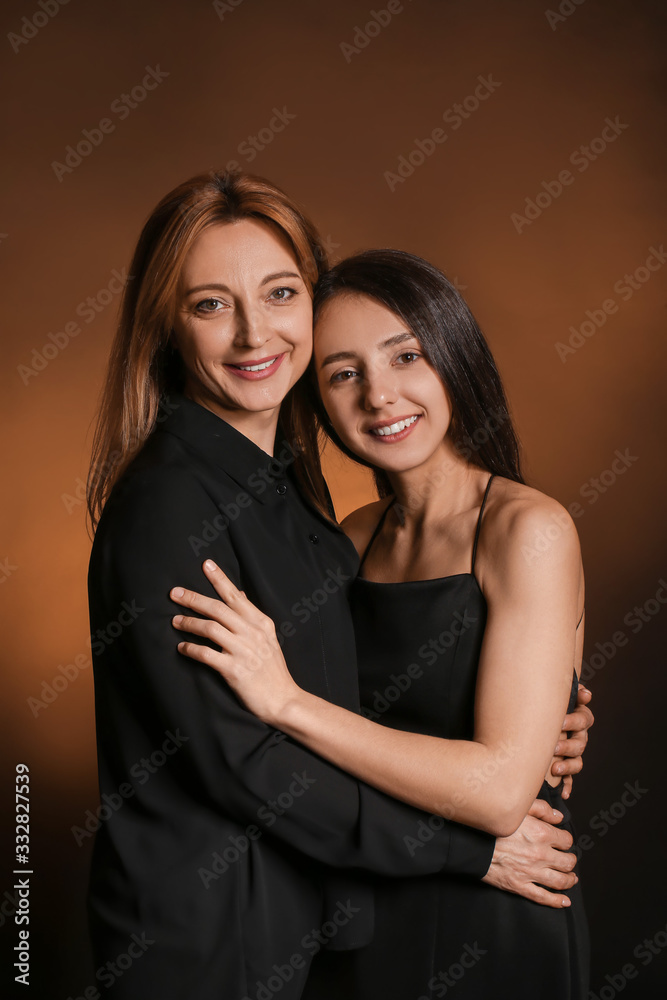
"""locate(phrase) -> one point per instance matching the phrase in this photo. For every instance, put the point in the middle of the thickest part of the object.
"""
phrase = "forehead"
(247, 245)
(356, 319)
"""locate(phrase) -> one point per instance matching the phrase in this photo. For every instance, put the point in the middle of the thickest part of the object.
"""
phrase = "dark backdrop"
(540, 196)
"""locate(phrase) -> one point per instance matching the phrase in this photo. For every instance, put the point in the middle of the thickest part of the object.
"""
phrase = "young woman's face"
(244, 318)
(383, 398)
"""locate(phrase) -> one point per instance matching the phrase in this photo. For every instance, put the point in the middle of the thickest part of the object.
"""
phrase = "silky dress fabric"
(439, 933)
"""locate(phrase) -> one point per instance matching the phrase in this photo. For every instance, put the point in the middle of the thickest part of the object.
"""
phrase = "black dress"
(418, 646)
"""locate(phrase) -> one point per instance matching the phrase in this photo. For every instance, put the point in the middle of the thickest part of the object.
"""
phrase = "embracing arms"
(525, 676)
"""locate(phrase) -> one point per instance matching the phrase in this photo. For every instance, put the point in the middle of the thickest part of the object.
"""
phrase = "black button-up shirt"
(222, 842)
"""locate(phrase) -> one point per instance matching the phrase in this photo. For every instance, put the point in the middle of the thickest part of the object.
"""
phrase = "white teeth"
(255, 368)
(394, 428)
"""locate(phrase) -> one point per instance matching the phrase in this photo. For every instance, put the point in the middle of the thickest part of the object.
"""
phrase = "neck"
(441, 486)
(259, 426)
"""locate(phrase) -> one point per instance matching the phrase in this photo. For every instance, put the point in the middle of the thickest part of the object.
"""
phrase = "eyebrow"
(224, 288)
(398, 338)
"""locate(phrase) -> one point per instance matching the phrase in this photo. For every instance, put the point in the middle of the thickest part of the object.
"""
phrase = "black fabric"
(224, 848)
(418, 646)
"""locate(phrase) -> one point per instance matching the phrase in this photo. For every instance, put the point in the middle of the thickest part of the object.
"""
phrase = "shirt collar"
(225, 447)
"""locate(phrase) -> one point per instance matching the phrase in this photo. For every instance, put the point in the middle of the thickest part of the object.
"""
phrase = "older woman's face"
(243, 323)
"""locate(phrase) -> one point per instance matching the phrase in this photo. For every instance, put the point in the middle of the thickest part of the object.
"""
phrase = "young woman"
(219, 864)
(469, 634)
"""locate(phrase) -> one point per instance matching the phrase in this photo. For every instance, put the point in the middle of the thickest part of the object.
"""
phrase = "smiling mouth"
(258, 369)
(400, 428)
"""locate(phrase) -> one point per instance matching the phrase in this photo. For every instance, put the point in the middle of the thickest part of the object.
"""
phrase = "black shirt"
(223, 844)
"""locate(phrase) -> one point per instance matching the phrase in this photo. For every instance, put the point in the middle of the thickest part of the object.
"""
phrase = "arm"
(230, 761)
(532, 619)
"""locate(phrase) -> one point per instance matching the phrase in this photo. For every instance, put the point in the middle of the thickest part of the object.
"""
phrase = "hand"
(250, 660)
(534, 857)
(568, 753)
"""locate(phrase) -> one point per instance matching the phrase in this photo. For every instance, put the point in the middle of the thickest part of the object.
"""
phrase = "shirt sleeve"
(227, 757)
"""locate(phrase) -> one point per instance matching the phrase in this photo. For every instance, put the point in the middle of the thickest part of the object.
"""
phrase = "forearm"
(490, 787)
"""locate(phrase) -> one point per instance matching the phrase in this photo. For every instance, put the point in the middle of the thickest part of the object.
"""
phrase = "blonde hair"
(143, 364)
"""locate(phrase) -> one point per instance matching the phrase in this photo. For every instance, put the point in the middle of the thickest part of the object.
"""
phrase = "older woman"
(219, 869)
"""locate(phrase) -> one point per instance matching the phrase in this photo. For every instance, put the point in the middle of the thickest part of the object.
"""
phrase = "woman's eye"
(343, 376)
(208, 305)
(282, 294)
(408, 357)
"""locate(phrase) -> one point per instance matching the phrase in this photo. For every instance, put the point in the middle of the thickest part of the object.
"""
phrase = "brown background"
(354, 118)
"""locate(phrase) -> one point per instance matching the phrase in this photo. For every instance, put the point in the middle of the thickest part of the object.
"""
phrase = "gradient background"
(355, 116)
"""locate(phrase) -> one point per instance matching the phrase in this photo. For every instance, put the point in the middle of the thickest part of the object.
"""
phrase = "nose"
(251, 329)
(378, 390)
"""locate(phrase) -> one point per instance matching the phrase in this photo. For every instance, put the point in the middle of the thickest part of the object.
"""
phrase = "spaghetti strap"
(376, 531)
(479, 523)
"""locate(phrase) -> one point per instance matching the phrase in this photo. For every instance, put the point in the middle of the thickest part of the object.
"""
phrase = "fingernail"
(566, 902)
(557, 750)
(558, 813)
(177, 619)
(559, 768)
(210, 565)
(177, 592)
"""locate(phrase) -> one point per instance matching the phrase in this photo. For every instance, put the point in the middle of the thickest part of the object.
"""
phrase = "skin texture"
(242, 300)
(380, 381)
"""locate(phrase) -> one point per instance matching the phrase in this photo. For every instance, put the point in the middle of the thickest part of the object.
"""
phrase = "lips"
(258, 369)
(395, 430)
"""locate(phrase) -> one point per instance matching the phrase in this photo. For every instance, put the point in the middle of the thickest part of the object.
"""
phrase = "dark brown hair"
(144, 365)
(432, 308)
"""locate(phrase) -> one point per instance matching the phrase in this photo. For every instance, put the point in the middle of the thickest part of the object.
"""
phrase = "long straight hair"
(144, 365)
(433, 310)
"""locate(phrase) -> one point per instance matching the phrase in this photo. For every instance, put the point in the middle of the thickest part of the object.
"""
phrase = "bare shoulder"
(522, 523)
(361, 523)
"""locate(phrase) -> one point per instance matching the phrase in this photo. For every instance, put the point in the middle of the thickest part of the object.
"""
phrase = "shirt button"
(314, 539)
(282, 489)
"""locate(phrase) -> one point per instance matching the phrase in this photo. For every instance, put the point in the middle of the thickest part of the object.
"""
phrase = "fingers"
(206, 629)
(566, 790)
(579, 721)
(561, 841)
(204, 654)
(232, 596)
(208, 607)
(570, 765)
(539, 895)
(572, 746)
(542, 810)
(583, 695)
